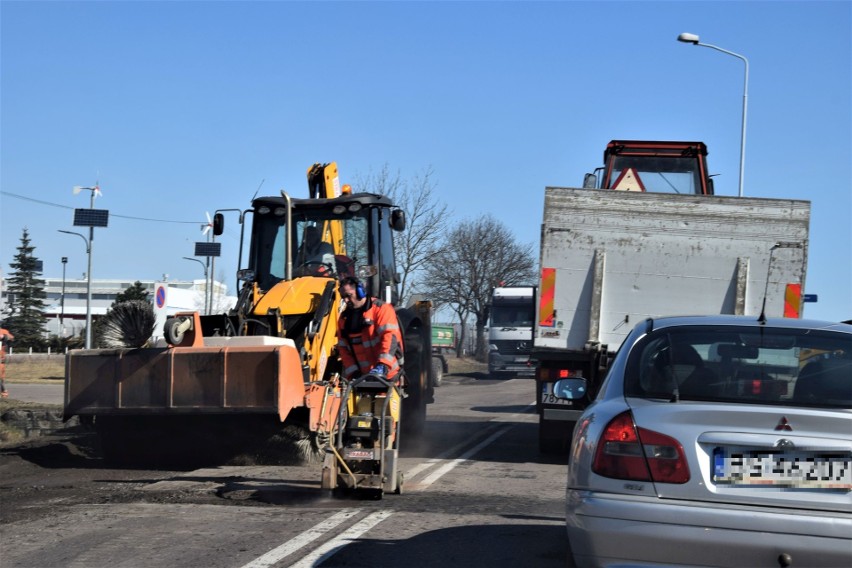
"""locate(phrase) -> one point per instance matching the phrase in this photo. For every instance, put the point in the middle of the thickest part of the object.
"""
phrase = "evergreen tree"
(26, 298)
(135, 292)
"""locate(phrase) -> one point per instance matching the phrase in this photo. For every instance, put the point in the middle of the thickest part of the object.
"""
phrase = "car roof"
(721, 320)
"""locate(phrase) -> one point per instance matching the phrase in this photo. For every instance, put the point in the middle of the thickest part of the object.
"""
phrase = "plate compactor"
(363, 454)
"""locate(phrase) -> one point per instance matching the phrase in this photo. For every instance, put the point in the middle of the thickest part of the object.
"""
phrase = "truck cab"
(653, 166)
(510, 331)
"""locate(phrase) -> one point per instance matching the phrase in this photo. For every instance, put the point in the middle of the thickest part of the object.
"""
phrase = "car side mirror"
(397, 220)
(570, 389)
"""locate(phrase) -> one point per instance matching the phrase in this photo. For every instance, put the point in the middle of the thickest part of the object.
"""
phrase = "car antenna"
(761, 319)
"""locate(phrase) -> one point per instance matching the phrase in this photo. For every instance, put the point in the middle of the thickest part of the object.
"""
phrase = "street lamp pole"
(62, 300)
(694, 40)
(88, 285)
(204, 266)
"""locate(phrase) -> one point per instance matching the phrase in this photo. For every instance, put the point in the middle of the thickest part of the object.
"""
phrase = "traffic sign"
(161, 296)
(629, 181)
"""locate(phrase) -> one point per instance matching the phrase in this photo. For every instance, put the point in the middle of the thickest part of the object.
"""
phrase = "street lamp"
(88, 286)
(90, 218)
(204, 266)
(694, 40)
(62, 299)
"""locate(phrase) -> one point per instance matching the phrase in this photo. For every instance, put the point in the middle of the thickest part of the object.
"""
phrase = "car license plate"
(547, 396)
(807, 470)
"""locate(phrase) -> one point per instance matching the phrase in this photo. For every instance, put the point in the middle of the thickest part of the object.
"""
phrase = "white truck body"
(610, 259)
(621, 257)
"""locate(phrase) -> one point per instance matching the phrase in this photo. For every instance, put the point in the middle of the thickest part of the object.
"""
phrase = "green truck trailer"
(443, 340)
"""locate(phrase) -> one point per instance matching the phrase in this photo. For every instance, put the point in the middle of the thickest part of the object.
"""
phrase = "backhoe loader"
(239, 377)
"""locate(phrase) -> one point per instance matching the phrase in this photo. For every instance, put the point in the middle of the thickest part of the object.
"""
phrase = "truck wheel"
(437, 372)
(414, 405)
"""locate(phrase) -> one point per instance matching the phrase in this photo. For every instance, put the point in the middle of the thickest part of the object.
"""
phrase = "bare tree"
(476, 257)
(426, 222)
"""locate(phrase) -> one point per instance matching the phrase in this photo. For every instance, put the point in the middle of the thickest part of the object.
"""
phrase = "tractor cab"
(658, 167)
(350, 235)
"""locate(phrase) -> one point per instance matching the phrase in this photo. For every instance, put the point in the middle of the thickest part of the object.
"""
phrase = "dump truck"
(271, 362)
(443, 341)
(615, 252)
(510, 328)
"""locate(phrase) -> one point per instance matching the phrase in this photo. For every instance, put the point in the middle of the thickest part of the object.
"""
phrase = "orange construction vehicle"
(271, 361)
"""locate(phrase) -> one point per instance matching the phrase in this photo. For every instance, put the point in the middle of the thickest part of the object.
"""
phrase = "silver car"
(716, 441)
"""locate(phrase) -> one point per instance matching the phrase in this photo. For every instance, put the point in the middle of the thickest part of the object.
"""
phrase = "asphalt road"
(477, 493)
(38, 393)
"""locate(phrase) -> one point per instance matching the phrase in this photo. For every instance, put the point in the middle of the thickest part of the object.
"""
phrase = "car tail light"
(627, 452)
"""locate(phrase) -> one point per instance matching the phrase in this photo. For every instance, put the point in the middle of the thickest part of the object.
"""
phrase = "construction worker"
(370, 338)
(5, 337)
(316, 257)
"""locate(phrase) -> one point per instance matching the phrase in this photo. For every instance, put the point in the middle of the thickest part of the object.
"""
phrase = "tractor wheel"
(437, 372)
(414, 405)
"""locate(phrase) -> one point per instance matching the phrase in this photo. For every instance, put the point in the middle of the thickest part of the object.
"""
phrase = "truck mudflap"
(237, 375)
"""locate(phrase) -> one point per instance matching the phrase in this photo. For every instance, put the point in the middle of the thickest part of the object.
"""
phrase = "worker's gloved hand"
(379, 369)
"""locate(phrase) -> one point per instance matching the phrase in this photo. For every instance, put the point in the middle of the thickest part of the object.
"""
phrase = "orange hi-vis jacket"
(5, 336)
(375, 339)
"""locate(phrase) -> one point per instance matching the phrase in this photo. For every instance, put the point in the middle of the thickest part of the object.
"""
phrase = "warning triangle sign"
(628, 181)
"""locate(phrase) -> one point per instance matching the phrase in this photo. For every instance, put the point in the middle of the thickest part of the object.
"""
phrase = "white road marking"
(411, 473)
(301, 540)
(353, 533)
(449, 466)
(333, 546)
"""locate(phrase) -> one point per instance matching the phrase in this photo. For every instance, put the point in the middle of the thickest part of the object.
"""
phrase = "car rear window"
(749, 365)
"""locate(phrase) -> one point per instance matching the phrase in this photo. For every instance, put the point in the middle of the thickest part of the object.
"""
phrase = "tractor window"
(355, 250)
(660, 174)
(387, 265)
(269, 245)
(339, 245)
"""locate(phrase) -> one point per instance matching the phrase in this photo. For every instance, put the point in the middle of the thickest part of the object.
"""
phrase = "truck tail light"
(548, 374)
(627, 452)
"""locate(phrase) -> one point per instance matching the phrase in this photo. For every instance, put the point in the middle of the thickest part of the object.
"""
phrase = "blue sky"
(179, 108)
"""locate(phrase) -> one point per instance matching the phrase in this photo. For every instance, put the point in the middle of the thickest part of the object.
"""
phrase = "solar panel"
(208, 249)
(91, 217)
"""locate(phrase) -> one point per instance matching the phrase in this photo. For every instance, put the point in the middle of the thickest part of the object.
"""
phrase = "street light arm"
(745, 109)
(88, 283)
(85, 240)
(717, 48)
(694, 39)
(204, 266)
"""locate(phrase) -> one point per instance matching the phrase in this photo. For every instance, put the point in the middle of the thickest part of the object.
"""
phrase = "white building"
(65, 305)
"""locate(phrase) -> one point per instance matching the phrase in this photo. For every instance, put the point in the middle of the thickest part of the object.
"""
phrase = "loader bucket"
(260, 375)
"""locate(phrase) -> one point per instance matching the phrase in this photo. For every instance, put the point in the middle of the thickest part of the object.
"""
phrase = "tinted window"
(519, 314)
(748, 365)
